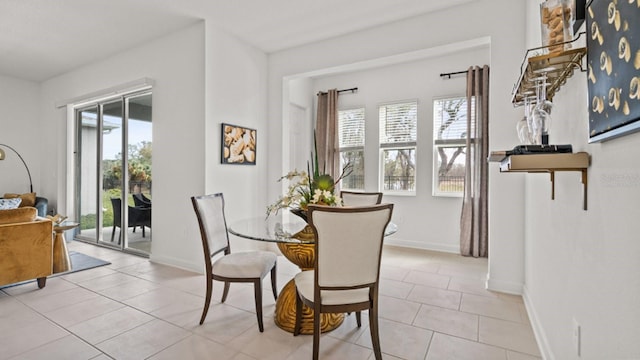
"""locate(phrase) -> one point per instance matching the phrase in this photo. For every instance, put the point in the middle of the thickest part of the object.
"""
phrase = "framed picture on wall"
(613, 62)
(238, 145)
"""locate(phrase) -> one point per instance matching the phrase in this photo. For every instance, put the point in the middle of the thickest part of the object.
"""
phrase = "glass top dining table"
(296, 242)
(280, 228)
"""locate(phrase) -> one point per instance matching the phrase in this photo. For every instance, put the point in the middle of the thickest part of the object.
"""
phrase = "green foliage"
(139, 157)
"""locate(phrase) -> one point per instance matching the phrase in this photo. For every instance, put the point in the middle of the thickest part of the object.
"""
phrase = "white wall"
(176, 64)
(584, 265)
(418, 80)
(18, 124)
(236, 75)
(482, 18)
(202, 77)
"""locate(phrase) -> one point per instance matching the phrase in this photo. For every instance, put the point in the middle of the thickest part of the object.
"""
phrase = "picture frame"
(613, 64)
(238, 145)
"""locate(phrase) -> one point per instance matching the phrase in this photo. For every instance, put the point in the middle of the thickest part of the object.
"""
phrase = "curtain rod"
(453, 73)
(343, 90)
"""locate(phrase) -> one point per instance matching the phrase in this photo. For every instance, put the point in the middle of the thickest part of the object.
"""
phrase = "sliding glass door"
(114, 179)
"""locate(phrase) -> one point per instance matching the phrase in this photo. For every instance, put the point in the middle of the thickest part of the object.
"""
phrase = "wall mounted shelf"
(549, 163)
(558, 67)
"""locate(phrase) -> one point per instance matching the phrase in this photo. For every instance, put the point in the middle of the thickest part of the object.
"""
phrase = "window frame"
(446, 144)
(390, 146)
(361, 148)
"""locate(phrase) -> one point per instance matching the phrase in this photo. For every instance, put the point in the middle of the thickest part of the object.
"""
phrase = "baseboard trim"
(538, 331)
(423, 246)
(509, 287)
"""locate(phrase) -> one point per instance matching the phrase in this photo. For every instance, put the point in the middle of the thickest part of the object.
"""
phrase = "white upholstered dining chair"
(249, 266)
(356, 198)
(348, 249)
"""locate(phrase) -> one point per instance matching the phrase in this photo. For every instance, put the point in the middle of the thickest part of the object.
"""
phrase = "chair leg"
(207, 300)
(296, 327)
(257, 288)
(316, 331)
(143, 231)
(225, 292)
(359, 318)
(113, 232)
(373, 327)
(273, 281)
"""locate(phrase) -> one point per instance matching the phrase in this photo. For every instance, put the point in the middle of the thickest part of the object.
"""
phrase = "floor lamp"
(2, 156)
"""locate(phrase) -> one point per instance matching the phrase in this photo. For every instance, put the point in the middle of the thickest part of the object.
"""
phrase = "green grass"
(88, 221)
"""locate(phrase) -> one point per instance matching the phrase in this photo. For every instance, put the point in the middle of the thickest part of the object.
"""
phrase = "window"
(351, 146)
(449, 145)
(398, 135)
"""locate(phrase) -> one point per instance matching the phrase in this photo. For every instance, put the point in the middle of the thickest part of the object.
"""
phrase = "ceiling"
(40, 39)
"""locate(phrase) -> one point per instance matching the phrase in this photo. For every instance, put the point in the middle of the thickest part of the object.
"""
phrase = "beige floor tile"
(180, 313)
(453, 348)
(129, 290)
(401, 340)
(196, 347)
(143, 341)
(447, 321)
(107, 281)
(224, 323)
(469, 270)
(58, 300)
(79, 312)
(106, 326)
(389, 272)
(397, 309)
(508, 335)
(331, 349)
(427, 279)
(395, 288)
(471, 286)
(14, 314)
(427, 265)
(118, 262)
(81, 276)
(134, 309)
(492, 307)
(272, 344)
(243, 298)
(195, 284)
(512, 355)
(102, 357)
(160, 297)
(433, 296)
(349, 330)
(23, 339)
(68, 348)
(53, 285)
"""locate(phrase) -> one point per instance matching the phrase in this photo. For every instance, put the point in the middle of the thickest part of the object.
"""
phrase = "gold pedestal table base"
(303, 255)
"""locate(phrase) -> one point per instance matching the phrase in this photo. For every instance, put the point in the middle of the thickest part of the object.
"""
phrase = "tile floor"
(432, 306)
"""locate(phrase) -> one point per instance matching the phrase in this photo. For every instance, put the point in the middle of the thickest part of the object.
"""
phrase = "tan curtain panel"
(326, 132)
(474, 238)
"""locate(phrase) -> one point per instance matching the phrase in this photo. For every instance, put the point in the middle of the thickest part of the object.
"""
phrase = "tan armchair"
(26, 246)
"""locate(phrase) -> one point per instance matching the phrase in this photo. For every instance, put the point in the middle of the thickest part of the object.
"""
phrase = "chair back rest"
(213, 226)
(348, 243)
(141, 201)
(353, 198)
(116, 204)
